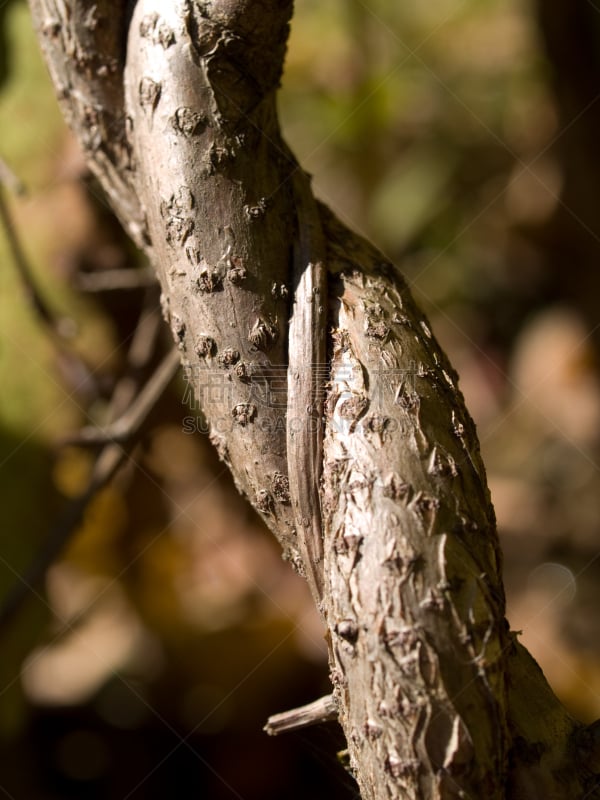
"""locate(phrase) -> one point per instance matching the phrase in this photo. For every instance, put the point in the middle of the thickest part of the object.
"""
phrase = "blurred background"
(460, 137)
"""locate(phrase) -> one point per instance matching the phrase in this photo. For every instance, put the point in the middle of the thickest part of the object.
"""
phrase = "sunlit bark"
(174, 106)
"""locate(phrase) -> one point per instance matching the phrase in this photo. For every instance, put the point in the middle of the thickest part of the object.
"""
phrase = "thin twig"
(110, 458)
(121, 429)
(58, 327)
(141, 351)
(322, 710)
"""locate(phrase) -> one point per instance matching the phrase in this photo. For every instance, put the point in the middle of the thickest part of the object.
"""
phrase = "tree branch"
(57, 327)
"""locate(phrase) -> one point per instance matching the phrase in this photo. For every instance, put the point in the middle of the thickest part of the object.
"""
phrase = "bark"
(174, 103)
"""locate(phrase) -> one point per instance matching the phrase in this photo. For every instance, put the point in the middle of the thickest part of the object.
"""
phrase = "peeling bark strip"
(306, 377)
(436, 697)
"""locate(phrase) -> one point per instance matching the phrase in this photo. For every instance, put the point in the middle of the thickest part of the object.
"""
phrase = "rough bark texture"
(174, 104)
(411, 555)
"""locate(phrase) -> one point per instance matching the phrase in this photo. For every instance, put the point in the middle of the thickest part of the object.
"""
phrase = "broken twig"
(322, 710)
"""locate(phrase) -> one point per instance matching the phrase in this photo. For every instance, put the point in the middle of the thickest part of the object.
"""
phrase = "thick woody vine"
(383, 503)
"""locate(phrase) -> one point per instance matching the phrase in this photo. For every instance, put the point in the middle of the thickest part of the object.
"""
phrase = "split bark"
(173, 102)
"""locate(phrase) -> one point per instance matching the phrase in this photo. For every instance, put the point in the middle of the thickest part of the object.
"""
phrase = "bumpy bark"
(174, 104)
